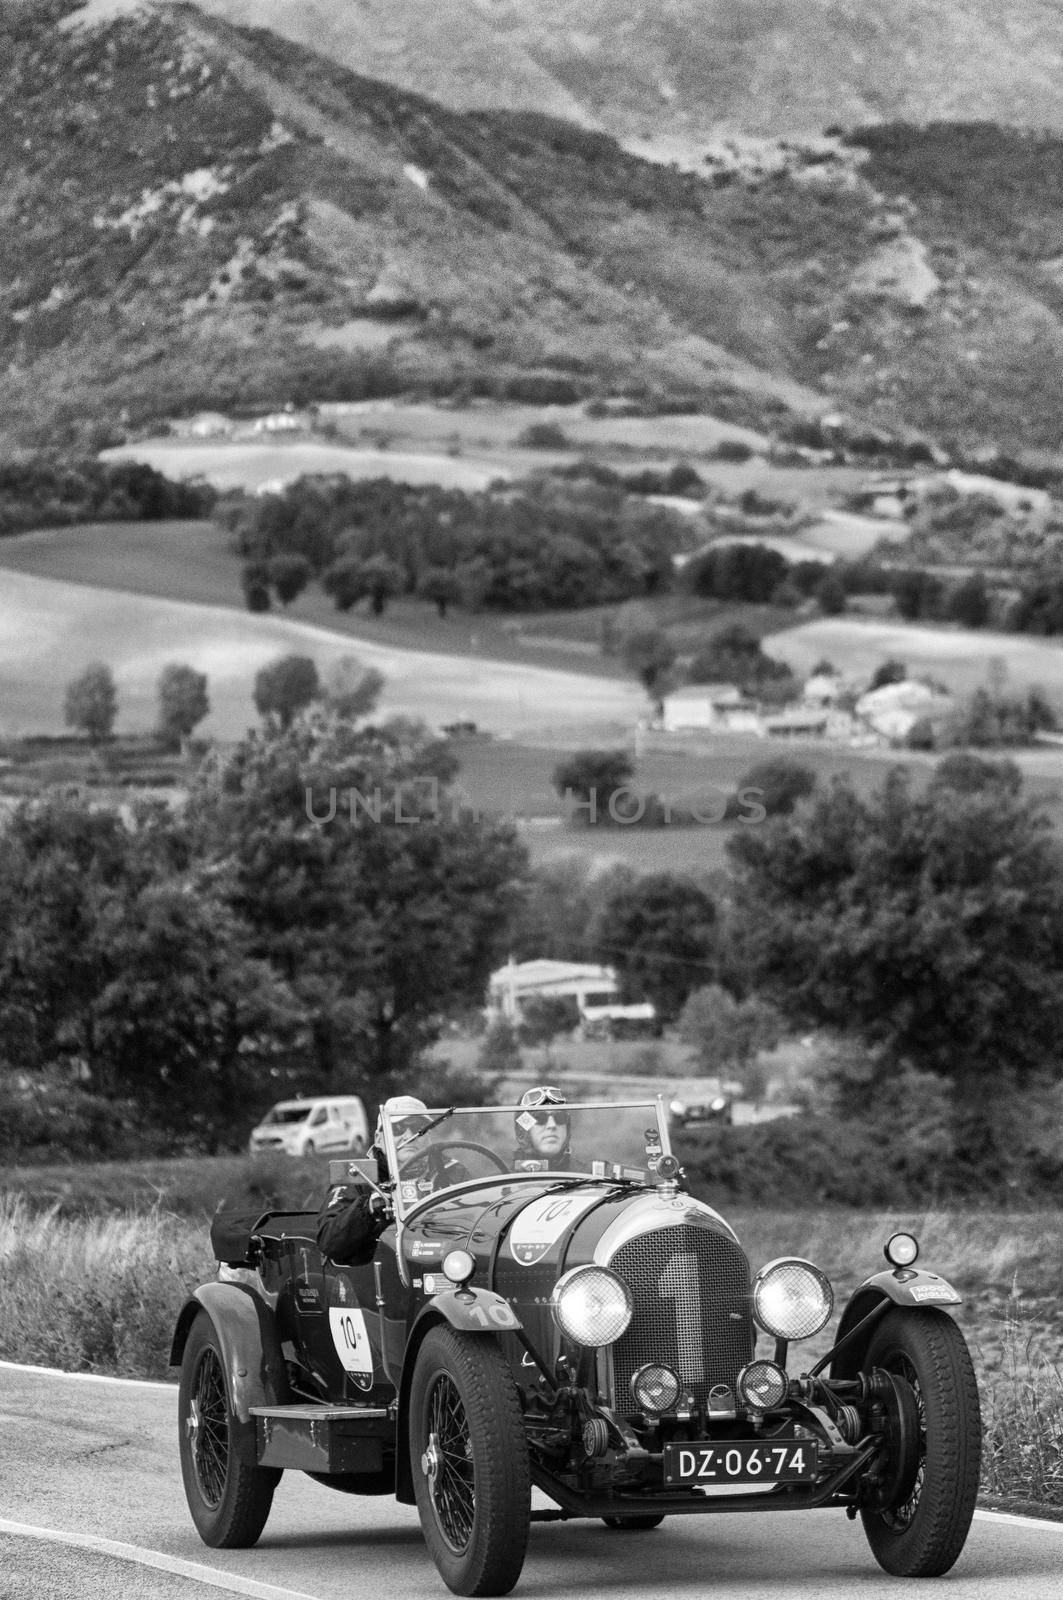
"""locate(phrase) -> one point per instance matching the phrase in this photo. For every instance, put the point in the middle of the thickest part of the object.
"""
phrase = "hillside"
(200, 215)
(681, 72)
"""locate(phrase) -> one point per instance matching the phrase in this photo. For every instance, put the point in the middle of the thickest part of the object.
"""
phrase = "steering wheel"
(430, 1161)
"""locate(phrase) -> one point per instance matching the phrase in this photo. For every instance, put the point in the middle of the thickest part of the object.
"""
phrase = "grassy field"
(49, 631)
(97, 1261)
(958, 657)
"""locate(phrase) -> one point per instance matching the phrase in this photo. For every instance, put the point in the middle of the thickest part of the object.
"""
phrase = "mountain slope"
(192, 211)
(681, 72)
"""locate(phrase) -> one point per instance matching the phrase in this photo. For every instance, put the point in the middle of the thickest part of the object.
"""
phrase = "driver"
(354, 1215)
(543, 1130)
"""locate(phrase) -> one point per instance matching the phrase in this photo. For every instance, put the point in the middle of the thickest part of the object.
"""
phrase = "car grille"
(692, 1308)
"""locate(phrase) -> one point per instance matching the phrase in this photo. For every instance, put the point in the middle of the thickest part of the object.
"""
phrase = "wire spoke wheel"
(229, 1497)
(209, 1427)
(922, 1533)
(454, 1488)
(470, 1462)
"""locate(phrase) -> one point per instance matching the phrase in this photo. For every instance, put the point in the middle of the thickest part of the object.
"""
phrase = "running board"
(322, 1438)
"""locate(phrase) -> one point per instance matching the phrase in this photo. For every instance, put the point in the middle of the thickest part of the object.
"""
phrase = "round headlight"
(676, 1107)
(458, 1265)
(902, 1250)
(792, 1299)
(592, 1305)
(763, 1384)
(655, 1388)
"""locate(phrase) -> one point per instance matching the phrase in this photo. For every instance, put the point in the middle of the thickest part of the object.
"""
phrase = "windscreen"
(288, 1114)
(434, 1150)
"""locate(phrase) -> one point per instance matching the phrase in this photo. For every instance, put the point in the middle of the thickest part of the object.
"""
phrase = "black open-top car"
(576, 1322)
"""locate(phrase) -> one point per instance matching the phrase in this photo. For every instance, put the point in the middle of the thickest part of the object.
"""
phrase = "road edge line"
(174, 1565)
(1013, 1520)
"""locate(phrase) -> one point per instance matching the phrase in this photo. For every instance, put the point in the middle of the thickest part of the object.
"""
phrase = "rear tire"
(922, 1536)
(469, 1457)
(229, 1500)
(633, 1524)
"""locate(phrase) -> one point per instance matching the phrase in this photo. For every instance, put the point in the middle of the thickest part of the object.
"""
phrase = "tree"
(122, 963)
(91, 703)
(289, 575)
(593, 777)
(351, 690)
(931, 925)
(660, 934)
(966, 773)
(726, 1035)
(380, 579)
(831, 596)
(440, 586)
(543, 1017)
(650, 655)
(968, 603)
(183, 702)
(368, 888)
(779, 785)
(889, 671)
(255, 580)
(285, 687)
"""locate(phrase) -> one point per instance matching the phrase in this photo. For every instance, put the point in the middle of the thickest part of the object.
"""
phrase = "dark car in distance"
(578, 1324)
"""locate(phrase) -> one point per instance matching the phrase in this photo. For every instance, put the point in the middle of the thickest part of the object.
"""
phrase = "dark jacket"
(350, 1223)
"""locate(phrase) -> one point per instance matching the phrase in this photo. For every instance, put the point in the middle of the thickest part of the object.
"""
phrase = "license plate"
(741, 1461)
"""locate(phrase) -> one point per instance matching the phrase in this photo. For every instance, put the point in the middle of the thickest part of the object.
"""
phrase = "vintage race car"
(577, 1323)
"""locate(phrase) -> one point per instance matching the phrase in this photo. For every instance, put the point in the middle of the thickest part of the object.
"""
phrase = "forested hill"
(196, 215)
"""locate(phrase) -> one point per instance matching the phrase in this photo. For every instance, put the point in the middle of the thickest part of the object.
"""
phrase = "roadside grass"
(95, 1294)
(1022, 1415)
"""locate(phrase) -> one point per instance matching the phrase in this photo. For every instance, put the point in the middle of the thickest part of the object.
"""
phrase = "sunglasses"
(541, 1118)
(547, 1096)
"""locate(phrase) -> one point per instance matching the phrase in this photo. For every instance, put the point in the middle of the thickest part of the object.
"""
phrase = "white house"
(893, 710)
(699, 705)
(594, 988)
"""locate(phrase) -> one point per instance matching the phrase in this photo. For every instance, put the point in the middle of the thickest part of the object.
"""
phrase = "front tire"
(470, 1462)
(229, 1500)
(921, 1536)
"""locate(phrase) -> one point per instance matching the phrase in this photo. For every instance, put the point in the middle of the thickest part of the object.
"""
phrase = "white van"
(331, 1124)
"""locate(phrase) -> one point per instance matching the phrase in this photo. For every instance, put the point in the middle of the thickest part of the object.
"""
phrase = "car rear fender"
(478, 1311)
(910, 1287)
(250, 1350)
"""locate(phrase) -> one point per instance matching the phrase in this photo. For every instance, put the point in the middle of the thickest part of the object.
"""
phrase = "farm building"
(893, 710)
(700, 705)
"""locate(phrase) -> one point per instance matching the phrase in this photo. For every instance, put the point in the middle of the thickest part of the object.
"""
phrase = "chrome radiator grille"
(692, 1310)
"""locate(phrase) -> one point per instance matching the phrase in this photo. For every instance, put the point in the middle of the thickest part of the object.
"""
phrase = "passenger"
(543, 1131)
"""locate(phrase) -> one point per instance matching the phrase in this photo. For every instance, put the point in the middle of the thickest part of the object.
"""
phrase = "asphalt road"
(91, 1504)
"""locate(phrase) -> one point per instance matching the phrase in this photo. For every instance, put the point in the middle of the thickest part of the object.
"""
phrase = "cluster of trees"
(91, 703)
(189, 966)
(1029, 603)
(549, 543)
(734, 655)
(45, 491)
(927, 929)
(600, 789)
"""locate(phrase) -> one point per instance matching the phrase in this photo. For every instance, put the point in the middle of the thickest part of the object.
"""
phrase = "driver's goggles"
(548, 1096)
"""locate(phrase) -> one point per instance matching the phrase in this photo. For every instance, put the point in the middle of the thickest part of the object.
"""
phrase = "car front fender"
(910, 1287)
(250, 1349)
(469, 1311)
